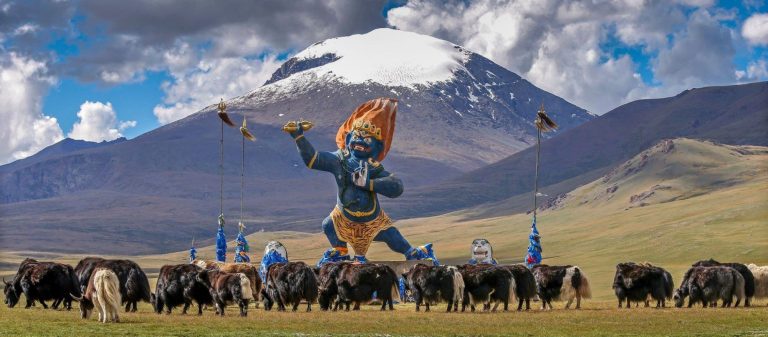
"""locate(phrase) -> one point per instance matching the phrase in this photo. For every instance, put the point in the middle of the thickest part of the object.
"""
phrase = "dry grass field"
(595, 319)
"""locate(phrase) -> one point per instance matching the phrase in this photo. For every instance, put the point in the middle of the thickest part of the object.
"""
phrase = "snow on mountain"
(388, 57)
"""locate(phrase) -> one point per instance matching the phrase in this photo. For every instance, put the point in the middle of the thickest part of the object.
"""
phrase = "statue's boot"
(424, 252)
(335, 254)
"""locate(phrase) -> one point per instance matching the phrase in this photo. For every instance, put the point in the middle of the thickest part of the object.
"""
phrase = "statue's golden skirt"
(359, 234)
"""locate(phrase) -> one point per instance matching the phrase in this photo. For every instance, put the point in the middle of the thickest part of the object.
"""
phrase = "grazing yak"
(288, 283)
(635, 282)
(134, 285)
(251, 271)
(760, 274)
(328, 290)
(484, 283)
(710, 284)
(358, 282)
(177, 285)
(525, 285)
(432, 284)
(226, 288)
(749, 279)
(102, 292)
(42, 281)
(561, 283)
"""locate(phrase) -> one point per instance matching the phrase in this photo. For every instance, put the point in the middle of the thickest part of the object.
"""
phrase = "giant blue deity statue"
(363, 140)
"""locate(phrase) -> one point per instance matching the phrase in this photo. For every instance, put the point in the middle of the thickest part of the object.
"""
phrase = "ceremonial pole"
(543, 124)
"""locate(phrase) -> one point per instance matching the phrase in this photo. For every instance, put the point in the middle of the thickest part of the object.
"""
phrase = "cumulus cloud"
(755, 29)
(98, 122)
(25, 129)
(567, 47)
(209, 81)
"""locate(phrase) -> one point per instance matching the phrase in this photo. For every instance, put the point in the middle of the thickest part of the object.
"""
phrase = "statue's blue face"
(362, 146)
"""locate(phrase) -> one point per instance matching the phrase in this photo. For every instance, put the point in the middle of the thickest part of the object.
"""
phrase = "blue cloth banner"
(534, 246)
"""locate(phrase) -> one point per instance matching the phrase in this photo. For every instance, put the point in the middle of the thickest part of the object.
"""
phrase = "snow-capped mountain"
(458, 111)
(472, 111)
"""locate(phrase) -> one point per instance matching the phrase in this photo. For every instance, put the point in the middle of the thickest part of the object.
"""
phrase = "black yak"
(634, 282)
(134, 285)
(177, 285)
(561, 282)
(42, 281)
(289, 283)
(358, 282)
(749, 279)
(486, 283)
(328, 291)
(432, 284)
(246, 268)
(226, 288)
(710, 284)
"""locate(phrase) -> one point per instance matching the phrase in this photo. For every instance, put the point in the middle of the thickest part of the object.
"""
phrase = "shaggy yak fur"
(251, 271)
(761, 279)
(749, 279)
(710, 284)
(433, 284)
(328, 291)
(636, 282)
(358, 282)
(525, 285)
(134, 285)
(486, 283)
(288, 284)
(177, 285)
(42, 281)
(227, 288)
(103, 293)
(561, 282)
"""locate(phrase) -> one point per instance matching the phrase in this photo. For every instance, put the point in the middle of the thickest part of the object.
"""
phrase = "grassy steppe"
(595, 319)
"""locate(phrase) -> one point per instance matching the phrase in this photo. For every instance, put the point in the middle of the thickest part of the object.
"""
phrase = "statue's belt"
(359, 234)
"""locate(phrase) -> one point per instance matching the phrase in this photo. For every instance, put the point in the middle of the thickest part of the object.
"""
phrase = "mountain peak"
(386, 56)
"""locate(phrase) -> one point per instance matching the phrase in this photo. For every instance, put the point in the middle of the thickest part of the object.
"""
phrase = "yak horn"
(247, 134)
(223, 113)
(75, 297)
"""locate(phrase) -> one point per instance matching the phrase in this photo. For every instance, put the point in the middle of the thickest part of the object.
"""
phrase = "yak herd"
(107, 285)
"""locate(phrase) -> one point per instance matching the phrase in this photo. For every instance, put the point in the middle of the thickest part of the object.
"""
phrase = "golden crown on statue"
(367, 127)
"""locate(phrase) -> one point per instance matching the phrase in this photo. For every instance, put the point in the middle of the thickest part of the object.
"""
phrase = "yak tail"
(137, 284)
(107, 287)
(580, 287)
(245, 287)
(669, 285)
(738, 287)
(458, 284)
(307, 283)
(512, 290)
(74, 284)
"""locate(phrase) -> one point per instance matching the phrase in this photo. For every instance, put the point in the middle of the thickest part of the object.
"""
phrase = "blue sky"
(153, 63)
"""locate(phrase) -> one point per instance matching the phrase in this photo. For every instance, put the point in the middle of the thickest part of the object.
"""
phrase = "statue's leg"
(338, 250)
(394, 240)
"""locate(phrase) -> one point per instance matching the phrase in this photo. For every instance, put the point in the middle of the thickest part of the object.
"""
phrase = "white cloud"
(560, 45)
(98, 122)
(755, 29)
(24, 129)
(203, 85)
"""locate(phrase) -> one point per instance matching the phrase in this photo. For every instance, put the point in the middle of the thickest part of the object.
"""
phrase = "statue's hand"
(297, 128)
(360, 177)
